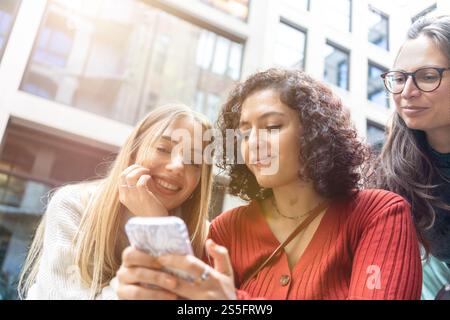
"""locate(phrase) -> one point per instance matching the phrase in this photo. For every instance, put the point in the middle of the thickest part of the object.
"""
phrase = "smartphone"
(158, 236)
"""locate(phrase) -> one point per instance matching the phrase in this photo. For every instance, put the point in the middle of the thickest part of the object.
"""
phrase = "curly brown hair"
(331, 154)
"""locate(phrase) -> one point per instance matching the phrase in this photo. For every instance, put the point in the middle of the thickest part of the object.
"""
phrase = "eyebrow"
(169, 139)
(263, 116)
(422, 67)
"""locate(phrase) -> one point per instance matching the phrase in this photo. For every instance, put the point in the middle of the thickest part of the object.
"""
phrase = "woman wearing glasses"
(415, 161)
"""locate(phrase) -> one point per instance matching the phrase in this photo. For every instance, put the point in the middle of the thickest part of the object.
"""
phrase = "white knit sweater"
(58, 276)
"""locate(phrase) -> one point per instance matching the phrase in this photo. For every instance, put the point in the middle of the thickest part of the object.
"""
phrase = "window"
(336, 13)
(290, 46)
(305, 4)
(161, 48)
(375, 135)
(54, 42)
(8, 12)
(5, 240)
(208, 104)
(375, 88)
(220, 62)
(337, 66)
(378, 28)
(40, 86)
(234, 61)
(12, 190)
(31, 164)
(131, 51)
(428, 11)
(213, 106)
(219, 55)
(235, 8)
(5, 237)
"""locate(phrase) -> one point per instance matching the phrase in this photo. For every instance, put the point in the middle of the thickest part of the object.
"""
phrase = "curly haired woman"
(347, 244)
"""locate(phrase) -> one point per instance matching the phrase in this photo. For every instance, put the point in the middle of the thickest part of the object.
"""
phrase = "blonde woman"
(78, 246)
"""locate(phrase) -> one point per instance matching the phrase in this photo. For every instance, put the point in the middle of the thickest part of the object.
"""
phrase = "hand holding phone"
(160, 236)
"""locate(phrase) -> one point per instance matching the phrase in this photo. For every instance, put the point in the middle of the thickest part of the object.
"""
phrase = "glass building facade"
(142, 56)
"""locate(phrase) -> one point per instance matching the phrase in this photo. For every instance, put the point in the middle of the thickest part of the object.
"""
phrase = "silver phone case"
(160, 236)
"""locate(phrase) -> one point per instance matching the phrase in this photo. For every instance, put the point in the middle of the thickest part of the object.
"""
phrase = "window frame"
(345, 51)
(308, 5)
(374, 124)
(301, 29)
(229, 14)
(350, 17)
(383, 69)
(388, 28)
(8, 34)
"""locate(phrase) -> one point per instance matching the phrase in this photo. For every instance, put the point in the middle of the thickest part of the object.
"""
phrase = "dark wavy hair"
(404, 166)
(331, 155)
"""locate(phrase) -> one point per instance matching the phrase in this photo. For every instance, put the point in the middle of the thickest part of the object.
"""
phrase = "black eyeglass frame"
(413, 76)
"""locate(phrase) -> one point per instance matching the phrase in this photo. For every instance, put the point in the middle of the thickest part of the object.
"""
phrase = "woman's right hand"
(135, 195)
(137, 272)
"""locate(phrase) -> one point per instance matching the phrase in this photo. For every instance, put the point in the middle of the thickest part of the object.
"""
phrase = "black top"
(439, 234)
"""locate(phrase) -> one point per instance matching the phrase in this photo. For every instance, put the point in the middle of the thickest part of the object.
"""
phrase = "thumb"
(221, 258)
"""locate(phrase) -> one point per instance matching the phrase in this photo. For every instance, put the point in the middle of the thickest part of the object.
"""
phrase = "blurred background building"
(76, 75)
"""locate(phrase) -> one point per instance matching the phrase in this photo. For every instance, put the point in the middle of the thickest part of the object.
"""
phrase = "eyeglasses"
(425, 79)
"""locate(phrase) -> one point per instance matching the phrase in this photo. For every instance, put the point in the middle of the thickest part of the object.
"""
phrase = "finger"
(136, 292)
(133, 257)
(134, 175)
(189, 290)
(187, 263)
(198, 289)
(222, 262)
(137, 275)
(142, 186)
(147, 195)
(142, 183)
(125, 172)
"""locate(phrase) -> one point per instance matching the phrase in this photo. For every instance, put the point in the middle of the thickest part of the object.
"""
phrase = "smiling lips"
(263, 163)
(413, 111)
(165, 186)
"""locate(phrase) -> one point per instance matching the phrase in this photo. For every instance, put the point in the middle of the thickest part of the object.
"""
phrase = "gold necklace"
(274, 204)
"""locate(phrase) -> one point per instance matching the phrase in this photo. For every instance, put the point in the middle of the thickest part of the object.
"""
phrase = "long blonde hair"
(97, 240)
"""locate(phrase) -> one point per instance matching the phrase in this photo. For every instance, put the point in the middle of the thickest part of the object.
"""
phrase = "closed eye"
(398, 79)
(274, 127)
(162, 150)
(430, 77)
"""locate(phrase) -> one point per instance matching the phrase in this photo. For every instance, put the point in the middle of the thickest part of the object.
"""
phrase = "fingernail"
(220, 249)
